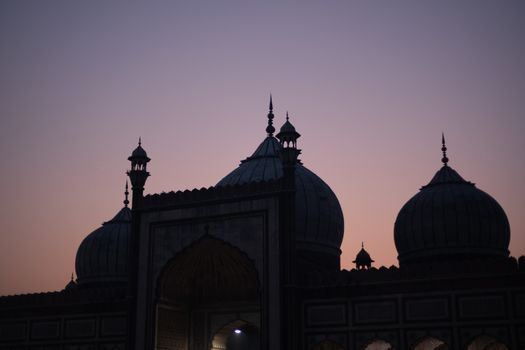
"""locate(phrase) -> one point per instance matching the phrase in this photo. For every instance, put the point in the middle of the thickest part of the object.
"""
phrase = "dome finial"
(140, 141)
(72, 278)
(362, 245)
(287, 116)
(270, 129)
(444, 149)
(126, 193)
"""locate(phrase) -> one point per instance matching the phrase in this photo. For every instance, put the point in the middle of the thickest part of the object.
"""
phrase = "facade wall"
(404, 319)
(250, 225)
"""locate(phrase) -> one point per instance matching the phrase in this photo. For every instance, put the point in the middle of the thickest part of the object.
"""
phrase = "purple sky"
(369, 84)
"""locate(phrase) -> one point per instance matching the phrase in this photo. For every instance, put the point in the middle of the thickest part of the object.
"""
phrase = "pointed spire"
(287, 116)
(444, 150)
(140, 140)
(126, 193)
(362, 245)
(270, 129)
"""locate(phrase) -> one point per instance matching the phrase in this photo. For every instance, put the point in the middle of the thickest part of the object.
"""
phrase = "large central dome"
(319, 218)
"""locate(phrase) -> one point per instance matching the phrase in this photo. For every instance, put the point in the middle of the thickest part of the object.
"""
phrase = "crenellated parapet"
(210, 194)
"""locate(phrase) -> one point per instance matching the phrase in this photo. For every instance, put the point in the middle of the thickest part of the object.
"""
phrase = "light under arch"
(237, 328)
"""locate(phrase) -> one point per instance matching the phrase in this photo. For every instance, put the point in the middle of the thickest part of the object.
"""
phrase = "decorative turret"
(138, 173)
(72, 284)
(363, 259)
(288, 139)
(288, 135)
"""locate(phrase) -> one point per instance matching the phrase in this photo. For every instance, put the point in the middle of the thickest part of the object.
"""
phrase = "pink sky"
(369, 84)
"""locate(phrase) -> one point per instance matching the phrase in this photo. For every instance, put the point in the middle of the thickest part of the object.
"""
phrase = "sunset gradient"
(370, 85)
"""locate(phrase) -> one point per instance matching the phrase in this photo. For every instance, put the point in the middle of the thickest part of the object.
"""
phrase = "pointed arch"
(378, 344)
(209, 270)
(430, 343)
(485, 342)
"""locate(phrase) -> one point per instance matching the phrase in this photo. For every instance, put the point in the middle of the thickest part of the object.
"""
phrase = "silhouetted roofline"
(213, 193)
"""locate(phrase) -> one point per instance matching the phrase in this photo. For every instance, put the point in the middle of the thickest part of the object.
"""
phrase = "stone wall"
(102, 331)
(404, 319)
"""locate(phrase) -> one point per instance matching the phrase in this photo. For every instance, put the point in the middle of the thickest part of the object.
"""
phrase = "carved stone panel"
(519, 302)
(49, 329)
(380, 311)
(113, 325)
(482, 307)
(427, 309)
(326, 315)
(80, 328)
(13, 331)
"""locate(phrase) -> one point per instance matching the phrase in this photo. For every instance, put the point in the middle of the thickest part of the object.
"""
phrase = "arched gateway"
(208, 298)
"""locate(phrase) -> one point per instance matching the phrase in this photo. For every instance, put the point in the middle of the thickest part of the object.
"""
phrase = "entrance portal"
(208, 298)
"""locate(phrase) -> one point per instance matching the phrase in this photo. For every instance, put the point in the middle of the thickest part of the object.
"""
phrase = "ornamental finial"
(140, 140)
(444, 150)
(126, 193)
(270, 129)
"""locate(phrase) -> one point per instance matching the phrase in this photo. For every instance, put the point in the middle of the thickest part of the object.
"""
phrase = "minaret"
(290, 310)
(138, 173)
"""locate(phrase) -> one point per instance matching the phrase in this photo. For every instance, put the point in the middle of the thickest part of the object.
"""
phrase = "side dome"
(319, 218)
(102, 257)
(451, 220)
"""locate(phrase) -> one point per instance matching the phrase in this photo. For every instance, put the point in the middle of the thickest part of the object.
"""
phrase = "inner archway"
(237, 335)
(208, 281)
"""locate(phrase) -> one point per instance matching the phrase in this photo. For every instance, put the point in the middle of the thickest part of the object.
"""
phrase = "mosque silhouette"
(254, 263)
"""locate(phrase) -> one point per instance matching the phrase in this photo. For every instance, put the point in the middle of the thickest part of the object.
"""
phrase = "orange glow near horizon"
(369, 85)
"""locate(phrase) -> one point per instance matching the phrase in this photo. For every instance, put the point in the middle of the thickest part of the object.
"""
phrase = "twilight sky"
(369, 84)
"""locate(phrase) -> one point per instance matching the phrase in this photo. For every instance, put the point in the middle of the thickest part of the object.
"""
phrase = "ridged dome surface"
(102, 257)
(139, 152)
(319, 218)
(451, 218)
